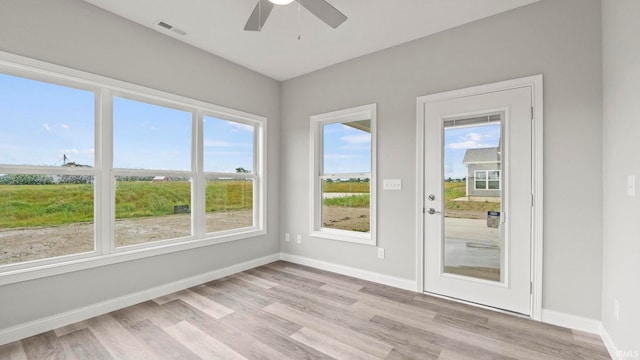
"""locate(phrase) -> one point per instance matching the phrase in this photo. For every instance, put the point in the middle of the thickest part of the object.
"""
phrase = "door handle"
(432, 211)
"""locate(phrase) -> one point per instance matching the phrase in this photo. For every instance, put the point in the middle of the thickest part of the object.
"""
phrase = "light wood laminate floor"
(288, 311)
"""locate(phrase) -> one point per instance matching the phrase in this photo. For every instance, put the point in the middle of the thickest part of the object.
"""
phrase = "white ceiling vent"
(167, 26)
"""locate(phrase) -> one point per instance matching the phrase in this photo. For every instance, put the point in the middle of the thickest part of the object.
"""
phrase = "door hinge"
(531, 287)
(424, 210)
(532, 113)
(532, 201)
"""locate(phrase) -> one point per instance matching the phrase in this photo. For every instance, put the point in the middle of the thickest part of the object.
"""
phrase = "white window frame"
(317, 123)
(486, 182)
(105, 252)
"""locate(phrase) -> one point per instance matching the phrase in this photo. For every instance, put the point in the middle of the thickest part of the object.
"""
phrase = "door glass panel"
(472, 164)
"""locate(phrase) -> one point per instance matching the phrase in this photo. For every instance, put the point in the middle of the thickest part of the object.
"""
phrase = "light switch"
(631, 185)
(392, 184)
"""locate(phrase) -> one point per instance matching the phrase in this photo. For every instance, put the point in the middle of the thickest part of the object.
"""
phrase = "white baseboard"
(52, 322)
(571, 321)
(353, 272)
(608, 342)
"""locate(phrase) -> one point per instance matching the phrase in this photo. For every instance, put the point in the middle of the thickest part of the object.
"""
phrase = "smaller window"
(231, 171)
(487, 179)
(344, 175)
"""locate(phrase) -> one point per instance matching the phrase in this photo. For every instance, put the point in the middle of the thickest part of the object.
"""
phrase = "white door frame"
(535, 82)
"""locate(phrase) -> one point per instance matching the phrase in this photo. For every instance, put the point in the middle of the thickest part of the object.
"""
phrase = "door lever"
(432, 211)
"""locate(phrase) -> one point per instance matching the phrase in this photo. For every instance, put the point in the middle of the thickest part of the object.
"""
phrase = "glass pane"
(229, 204)
(152, 208)
(43, 216)
(147, 136)
(228, 146)
(345, 204)
(347, 147)
(45, 124)
(472, 235)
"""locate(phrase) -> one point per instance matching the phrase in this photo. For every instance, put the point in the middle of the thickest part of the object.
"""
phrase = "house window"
(152, 172)
(343, 180)
(103, 171)
(47, 142)
(229, 165)
(487, 179)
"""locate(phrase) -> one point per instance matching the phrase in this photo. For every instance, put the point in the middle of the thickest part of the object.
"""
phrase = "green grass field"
(51, 205)
(454, 190)
(345, 187)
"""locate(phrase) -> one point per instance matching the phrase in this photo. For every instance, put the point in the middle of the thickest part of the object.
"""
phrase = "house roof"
(485, 155)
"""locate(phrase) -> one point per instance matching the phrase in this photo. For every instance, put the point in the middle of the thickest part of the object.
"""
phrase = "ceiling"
(216, 26)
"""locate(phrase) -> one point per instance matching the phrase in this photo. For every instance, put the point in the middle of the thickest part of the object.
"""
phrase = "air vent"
(170, 27)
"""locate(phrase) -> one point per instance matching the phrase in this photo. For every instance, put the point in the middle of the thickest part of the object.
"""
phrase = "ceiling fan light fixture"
(281, 2)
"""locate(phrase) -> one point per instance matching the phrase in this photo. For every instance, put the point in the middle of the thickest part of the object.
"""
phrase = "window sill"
(346, 236)
(19, 272)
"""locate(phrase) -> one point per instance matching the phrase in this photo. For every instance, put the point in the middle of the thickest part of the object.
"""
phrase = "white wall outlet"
(299, 239)
(380, 253)
(631, 185)
(286, 237)
(616, 309)
(392, 184)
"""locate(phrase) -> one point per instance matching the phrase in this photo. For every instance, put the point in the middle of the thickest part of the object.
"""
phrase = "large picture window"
(343, 175)
(93, 168)
(47, 138)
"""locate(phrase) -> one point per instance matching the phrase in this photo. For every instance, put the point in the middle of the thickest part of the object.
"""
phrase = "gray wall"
(78, 35)
(621, 87)
(560, 39)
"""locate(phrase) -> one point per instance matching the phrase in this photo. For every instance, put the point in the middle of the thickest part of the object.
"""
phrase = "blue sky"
(40, 123)
(458, 140)
(346, 149)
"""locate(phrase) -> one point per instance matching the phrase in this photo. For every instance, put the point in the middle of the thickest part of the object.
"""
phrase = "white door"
(478, 198)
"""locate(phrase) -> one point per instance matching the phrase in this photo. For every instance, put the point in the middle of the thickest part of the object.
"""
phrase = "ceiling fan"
(320, 8)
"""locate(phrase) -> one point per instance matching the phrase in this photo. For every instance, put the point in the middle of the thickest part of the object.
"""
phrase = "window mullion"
(105, 193)
(199, 181)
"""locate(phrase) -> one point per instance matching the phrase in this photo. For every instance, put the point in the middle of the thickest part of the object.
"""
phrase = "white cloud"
(217, 143)
(149, 125)
(64, 126)
(46, 126)
(240, 126)
(357, 139)
(338, 156)
(471, 141)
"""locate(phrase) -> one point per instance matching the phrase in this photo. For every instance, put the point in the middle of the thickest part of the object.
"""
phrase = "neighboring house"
(161, 178)
(483, 171)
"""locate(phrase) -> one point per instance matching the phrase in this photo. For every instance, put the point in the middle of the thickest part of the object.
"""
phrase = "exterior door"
(478, 205)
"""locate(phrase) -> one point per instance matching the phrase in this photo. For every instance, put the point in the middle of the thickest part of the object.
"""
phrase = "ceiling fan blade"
(324, 11)
(259, 15)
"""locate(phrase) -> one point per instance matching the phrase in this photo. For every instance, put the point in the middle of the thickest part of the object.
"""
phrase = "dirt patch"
(466, 214)
(26, 244)
(346, 218)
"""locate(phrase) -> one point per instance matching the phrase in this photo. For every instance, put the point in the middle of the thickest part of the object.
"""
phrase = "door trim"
(535, 82)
